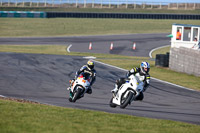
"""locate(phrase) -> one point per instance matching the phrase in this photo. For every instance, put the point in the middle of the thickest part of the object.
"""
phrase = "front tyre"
(125, 100)
(76, 95)
(112, 105)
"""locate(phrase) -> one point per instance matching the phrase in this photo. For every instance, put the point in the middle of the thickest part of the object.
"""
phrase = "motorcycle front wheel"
(76, 95)
(125, 100)
(112, 105)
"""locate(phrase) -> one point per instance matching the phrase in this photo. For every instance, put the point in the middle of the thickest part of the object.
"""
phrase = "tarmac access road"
(44, 78)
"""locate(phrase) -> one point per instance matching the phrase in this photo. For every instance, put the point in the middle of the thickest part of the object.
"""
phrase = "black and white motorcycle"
(80, 86)
(127, 92)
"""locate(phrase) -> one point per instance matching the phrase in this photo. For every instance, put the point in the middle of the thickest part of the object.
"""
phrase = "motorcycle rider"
(89, 69)
(141, 74)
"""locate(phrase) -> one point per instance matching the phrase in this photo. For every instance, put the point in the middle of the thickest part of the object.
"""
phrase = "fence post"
(177, 5)
(76, 3)
(92, 3)
(160, 6)
(109, 4)
(52, 3)
(134, 5)
(101, 4)
(126, 4)
(16, 3)
(45, 3)
(118, 4)
(143, 5)
(84, 3)
(194, 6)
(185, 6)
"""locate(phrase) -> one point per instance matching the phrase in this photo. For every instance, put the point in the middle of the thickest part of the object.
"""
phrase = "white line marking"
(89, 57)
(69, 48)
(2, 96)
(150, 53)
(151, 77)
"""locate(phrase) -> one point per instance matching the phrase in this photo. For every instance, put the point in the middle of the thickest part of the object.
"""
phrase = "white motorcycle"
(127, 92)
(80, 86)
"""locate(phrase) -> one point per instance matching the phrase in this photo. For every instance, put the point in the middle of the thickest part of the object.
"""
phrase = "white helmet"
(145, 67)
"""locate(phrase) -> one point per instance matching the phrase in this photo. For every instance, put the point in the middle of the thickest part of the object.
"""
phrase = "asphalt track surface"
(44, 79)
(122, 44)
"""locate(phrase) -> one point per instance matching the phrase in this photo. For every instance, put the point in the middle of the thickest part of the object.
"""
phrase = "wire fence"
(98, 4)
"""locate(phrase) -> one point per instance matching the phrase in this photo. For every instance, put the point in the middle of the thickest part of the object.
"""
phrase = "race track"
(44, 78)
(122, 44)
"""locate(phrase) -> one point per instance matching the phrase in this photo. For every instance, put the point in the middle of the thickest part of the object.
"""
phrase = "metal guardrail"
(99, 4)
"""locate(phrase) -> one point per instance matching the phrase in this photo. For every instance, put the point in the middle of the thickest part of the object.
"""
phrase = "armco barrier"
(22, 14)
(122, 15)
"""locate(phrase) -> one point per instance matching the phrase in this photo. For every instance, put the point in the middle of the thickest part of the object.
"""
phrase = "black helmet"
(90, 64)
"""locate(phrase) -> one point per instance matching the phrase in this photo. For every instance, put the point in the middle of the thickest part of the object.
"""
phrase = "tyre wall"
(122, 15)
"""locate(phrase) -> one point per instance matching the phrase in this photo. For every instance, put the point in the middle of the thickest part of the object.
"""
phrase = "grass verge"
(165, 74)
(19, 27)
(160, 51)
(23, 117)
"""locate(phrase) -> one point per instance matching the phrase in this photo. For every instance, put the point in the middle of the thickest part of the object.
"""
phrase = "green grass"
(165, 74)
(18, 27)
(160, 51)
(26, 118)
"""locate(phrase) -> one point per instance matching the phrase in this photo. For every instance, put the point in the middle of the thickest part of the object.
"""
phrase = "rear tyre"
(126, 100)
(76, 95)
(112, 105)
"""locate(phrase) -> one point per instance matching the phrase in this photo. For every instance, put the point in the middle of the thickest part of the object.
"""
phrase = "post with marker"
(111, 46)
(90, 46)
(134, 46)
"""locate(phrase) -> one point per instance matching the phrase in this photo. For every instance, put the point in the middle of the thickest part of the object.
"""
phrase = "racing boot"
(70, 96)
(89, 91)
(115, 90)
(140, 97)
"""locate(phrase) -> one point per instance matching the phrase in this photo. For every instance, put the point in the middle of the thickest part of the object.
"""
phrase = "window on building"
(187, 34)
(178, 33)
(195, 34)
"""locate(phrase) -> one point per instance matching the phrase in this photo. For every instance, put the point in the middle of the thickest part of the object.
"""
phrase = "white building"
(188, 35)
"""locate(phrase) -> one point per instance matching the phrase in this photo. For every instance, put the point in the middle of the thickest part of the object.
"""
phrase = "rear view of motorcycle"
(79, 87)
(127, 93)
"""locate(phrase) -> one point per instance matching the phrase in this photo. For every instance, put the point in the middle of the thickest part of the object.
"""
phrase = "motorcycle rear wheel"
(126, 101)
